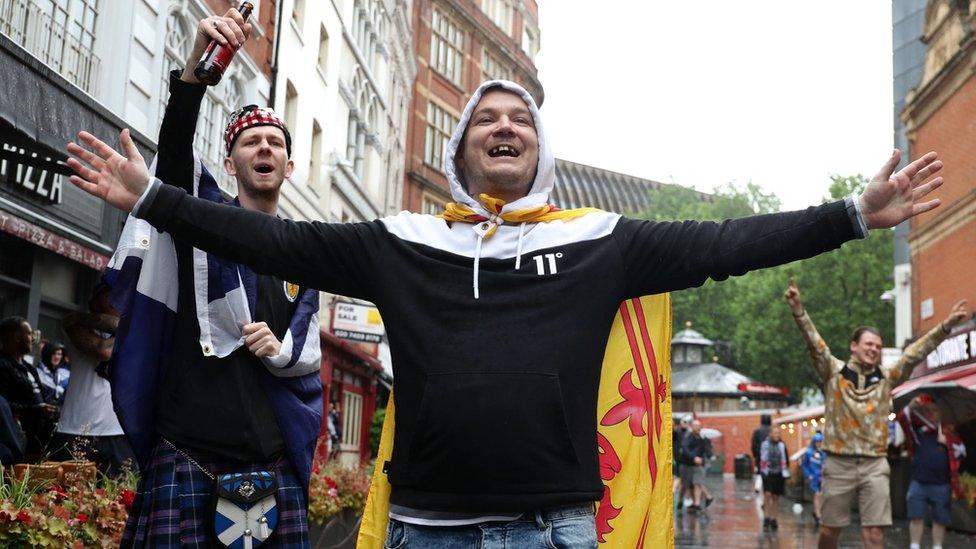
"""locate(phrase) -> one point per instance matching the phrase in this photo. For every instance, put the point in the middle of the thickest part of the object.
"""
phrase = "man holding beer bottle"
(232, 411)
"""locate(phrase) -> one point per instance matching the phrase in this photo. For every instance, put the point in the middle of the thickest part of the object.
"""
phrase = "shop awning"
(964, 377)
(954, 390)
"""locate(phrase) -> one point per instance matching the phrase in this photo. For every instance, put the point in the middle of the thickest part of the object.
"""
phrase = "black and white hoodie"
(496, 396)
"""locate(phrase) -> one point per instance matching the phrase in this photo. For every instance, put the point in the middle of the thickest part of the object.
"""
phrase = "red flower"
(128, 497)
(330, 482)
(82, 518)
(22, 516)
(315, 468)
(58, 492)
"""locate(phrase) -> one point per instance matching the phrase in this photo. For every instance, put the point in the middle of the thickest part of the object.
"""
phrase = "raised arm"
(660, 257)
(918, 350)
(333, 257)
(174, 162)
(823, 360)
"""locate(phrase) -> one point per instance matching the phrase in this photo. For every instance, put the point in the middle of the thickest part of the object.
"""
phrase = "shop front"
(54, 238)
(948, 375)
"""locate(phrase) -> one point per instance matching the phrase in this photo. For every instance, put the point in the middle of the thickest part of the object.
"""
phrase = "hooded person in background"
(812, 466)
(523, 293)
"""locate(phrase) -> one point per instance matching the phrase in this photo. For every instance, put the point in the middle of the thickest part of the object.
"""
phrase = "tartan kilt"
(173, 507)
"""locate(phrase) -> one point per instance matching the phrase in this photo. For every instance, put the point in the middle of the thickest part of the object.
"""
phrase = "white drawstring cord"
(477, 262)
(518, 248)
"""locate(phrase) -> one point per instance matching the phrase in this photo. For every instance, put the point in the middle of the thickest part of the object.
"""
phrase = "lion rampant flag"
(633, 436)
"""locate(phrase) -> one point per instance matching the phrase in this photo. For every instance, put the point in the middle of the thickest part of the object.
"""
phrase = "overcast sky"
(780, 92)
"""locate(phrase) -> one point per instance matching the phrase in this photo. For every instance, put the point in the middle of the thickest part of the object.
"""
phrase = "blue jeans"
(569, 527)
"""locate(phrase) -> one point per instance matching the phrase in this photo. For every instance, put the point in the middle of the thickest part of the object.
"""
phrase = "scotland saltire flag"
(142, 275)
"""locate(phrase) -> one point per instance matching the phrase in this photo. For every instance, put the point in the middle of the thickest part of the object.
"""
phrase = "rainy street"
(735, 520)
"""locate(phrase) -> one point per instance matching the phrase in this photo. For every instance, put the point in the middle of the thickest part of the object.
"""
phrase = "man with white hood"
(498, 311)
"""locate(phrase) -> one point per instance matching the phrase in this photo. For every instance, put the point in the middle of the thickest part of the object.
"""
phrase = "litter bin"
(743, 466)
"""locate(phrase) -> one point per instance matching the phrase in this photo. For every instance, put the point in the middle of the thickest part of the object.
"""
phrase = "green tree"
(840, 288)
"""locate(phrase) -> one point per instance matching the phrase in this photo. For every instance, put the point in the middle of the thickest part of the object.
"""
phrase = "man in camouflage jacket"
(858, 403)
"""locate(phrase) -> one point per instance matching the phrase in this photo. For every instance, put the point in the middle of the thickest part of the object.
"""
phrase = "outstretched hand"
(891, 197)
(958, 313)
(106, 174)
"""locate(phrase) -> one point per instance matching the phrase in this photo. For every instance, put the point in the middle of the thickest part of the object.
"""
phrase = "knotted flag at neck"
(541, 213)
(486, 223)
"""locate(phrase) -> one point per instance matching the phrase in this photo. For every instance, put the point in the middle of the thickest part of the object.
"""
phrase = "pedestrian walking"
(695, 452)
(858, 402)
(53, 373)
(812, 466)
(758, 436)
(935, 450)
(443, 283)
(774, 467)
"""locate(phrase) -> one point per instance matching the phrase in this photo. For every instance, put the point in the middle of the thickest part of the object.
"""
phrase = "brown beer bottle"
(216, 58)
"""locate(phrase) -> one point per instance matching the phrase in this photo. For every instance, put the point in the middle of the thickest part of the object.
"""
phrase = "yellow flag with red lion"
(633, 436)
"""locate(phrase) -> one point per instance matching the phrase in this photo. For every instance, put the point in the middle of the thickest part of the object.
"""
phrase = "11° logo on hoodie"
(543, 261)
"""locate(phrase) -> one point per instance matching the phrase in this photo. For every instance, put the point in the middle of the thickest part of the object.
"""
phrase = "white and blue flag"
(144, 285)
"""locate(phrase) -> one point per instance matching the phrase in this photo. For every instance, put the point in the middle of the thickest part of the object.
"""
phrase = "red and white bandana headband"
(252, 116)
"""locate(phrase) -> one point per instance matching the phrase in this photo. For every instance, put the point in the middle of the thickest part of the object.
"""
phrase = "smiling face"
(259, 160)
(867, 348)
(500, 150)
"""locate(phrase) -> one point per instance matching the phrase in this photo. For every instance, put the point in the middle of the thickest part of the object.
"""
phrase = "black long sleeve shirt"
(496, 397)
(217, 405)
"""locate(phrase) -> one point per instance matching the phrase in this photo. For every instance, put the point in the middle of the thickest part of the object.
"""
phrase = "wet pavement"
(735, 520)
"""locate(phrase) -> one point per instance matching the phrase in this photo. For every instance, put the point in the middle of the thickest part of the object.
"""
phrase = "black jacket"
(496, 397)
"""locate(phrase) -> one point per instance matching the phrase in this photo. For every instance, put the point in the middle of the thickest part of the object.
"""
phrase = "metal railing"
(29, 26)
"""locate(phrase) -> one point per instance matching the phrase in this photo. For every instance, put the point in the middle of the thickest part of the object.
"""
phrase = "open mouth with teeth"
(264, 168)
(503, 150)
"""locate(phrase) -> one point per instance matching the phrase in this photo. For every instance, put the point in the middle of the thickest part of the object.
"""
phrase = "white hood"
(545, 177)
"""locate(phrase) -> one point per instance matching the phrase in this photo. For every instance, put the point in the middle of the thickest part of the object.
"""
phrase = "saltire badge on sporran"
(246, 511)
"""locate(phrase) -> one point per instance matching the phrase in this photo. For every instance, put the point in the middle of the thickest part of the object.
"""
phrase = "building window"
(291, 106)
(61, 33)
(352, 417)
(431, 205)
(492, 68)
(315, 162)
(446, 47)
(323, 49)
(530, 42)
(500, 12)
(298, 14)
(440, 126)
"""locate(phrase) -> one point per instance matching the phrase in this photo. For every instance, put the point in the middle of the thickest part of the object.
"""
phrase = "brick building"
(459, 44)
(939, 116)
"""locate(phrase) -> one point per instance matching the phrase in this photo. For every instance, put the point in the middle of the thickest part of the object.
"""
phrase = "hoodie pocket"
(493, 432)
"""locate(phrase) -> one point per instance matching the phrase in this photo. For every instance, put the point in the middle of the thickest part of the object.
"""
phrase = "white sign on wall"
(357, 323)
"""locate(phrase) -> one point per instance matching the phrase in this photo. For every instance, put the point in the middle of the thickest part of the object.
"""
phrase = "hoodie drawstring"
(477, 262)
(518, 248)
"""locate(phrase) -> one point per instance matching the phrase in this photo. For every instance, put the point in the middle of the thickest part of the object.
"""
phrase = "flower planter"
(48, 472)
(78, 471)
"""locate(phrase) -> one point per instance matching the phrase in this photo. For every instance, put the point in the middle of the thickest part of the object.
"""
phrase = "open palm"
(106, 174)
(891, 198)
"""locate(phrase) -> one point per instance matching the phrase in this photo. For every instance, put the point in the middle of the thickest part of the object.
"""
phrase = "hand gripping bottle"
(216, 59)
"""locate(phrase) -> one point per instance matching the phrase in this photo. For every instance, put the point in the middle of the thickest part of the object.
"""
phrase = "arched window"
(176, 48)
